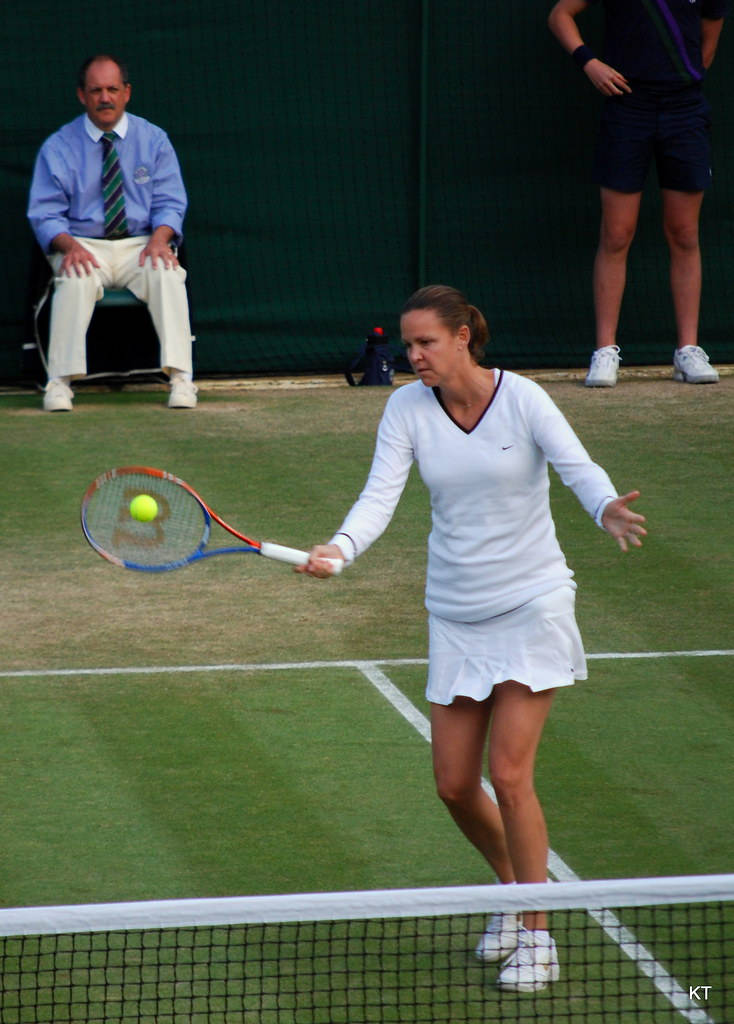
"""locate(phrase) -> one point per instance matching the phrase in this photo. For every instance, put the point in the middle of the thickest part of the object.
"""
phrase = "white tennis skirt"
(537, 644)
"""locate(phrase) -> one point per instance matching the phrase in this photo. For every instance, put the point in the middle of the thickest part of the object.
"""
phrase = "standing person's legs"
(619, 215)
(622, 158)
(683, 157)
(681, 213)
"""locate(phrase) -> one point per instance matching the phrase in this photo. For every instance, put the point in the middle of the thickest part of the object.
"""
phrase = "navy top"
(656, 44)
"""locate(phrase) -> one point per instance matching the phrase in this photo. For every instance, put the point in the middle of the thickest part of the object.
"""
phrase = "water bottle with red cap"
(375, 359)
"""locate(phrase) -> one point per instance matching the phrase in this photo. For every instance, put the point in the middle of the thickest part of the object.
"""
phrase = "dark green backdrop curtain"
(338, 155)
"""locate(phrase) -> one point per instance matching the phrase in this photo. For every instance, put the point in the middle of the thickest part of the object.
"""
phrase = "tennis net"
(643, 950)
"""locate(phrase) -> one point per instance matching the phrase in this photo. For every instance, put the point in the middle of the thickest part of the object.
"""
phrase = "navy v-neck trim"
(470, 430)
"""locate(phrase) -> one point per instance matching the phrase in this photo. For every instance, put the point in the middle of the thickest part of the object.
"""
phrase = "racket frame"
(278, 552)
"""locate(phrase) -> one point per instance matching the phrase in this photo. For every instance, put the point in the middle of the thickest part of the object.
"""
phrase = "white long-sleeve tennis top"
(492, 545)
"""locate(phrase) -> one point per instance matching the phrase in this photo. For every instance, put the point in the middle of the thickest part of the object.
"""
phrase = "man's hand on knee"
(77, 260)
(159, 248)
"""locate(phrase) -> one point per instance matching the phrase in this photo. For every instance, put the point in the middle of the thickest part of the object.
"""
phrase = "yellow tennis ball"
(144, 508)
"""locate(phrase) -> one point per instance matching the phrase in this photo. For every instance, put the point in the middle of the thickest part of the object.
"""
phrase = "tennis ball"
(144, 508)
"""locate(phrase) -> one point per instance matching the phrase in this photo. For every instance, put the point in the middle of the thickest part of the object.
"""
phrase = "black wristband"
(582, 55)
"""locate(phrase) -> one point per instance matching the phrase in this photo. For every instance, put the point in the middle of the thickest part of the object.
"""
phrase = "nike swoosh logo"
(506, 447)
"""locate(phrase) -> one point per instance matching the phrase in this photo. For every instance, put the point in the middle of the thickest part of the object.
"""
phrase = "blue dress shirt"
(66, 190)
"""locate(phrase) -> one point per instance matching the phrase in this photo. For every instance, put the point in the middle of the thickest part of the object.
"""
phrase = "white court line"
(663, 981)
(284, 665)
(660, 654)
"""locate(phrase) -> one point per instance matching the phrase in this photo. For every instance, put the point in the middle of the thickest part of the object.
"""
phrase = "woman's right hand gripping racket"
(169, 528)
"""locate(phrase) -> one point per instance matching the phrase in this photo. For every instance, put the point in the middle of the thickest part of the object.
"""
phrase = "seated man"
(107, 202)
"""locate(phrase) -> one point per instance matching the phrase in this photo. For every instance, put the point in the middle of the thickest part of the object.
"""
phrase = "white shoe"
(603, 368)
(500, 938)
(691, 364)
(57, 396)
(532, 966)
(183, 394)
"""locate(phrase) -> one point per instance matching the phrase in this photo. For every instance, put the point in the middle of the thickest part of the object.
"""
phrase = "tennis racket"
(178, 534)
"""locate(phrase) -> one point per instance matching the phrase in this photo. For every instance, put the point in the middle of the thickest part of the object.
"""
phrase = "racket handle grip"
(295, 557)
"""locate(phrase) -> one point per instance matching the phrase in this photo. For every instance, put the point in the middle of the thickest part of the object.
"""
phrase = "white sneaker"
(603, 368)
(532, 966)
(500, 937)
(691, 364)
(57, 396)
(183, 395)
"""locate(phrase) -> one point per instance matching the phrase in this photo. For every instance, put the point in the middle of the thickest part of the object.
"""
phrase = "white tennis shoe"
(500, 938)
(533, 965)
(603, 367)
(183, 394)
(57, 396)
(691, 364)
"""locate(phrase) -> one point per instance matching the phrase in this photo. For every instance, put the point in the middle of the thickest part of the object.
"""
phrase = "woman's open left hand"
(624, 524)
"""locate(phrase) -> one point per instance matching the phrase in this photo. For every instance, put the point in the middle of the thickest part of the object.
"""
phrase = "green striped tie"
(115, 221)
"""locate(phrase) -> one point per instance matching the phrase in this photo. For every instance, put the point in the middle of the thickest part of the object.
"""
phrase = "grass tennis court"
(190, 778)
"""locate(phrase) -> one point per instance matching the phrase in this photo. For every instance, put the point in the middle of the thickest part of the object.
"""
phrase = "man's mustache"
(105, 106)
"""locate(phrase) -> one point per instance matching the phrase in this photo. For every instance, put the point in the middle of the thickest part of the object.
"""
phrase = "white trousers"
(161, 289)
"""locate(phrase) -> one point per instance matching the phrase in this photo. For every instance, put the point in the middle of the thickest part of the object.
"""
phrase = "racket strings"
(179, 529)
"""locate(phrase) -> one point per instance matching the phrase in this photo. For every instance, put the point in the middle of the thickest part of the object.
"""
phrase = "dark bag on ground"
(375, 360)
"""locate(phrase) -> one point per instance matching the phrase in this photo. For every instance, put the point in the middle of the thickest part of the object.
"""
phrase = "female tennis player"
(500, 596)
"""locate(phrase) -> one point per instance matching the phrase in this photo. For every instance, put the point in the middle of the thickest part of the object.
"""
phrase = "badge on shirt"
(141, 175)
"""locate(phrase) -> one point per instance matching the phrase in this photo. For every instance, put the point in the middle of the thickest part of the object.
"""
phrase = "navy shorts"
(677, 136)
